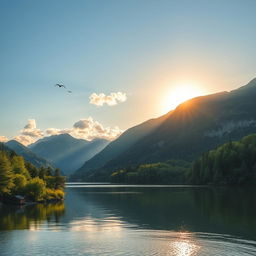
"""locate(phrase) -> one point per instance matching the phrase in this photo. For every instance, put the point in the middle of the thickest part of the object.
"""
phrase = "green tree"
(35, 189)
(18, 166)
(33, 171)
(6, 176)
(59, 180)
(19, 182)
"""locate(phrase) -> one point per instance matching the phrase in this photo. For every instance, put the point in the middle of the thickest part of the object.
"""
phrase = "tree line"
(170, 172)
(233, 163)
(18, 177)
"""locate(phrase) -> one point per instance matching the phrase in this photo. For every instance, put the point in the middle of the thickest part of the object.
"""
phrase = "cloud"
(83, 124)
(90, 129)
(31, 124)
(111, 99)
(3, 139)
(29, 133)
(25, 140)
(87, 129)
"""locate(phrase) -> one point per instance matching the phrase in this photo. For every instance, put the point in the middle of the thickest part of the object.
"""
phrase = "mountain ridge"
(183, 133)
(27, 154)
(67, 152)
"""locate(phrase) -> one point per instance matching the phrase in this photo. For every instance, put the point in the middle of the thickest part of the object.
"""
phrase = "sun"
(180, 93)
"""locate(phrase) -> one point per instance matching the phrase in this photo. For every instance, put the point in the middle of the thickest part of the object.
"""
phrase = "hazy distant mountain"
(3, 147)
(67, 152)
(27, 154)
(194, 127)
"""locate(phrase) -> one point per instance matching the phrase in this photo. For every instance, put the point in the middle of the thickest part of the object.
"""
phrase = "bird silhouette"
(60, 85)
(69, 91)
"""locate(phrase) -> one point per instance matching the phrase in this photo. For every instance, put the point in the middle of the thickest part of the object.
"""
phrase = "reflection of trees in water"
(231, 208)
(154, 208)
(31, 216)
(199, 209)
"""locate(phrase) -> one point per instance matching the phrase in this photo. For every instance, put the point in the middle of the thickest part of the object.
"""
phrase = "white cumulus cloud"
(90, 129)
(3, 139)
(111, 99)
(29, 133)
(31, 124)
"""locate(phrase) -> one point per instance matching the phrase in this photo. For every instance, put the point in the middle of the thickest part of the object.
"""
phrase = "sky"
(124, 61)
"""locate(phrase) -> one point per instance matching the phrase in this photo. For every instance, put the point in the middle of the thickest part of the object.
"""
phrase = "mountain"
(194, 127)
(67, 152)
(27, 154)
(3, 147)
(120, 145)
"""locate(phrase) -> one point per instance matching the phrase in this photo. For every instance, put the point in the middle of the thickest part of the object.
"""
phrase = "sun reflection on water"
(184, 246)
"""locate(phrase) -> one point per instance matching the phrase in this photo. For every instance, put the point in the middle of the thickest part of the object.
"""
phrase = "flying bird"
(60, 85)
(69, 91)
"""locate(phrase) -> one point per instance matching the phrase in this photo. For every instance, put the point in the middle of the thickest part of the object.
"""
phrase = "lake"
(105, 219)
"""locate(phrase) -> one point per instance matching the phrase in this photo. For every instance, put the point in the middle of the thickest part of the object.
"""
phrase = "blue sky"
(141, 48)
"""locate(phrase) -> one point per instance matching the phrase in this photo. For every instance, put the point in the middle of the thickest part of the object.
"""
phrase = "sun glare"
(179, 94)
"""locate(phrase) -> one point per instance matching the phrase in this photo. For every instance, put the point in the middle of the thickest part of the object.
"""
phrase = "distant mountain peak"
(66, 152)
(63, 135)
(15, 143)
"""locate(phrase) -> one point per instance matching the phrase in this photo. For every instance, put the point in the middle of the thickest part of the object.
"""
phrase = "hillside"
(120, 145)
(67, 152)
(195, 126)
(233, 163)
(19, 177)
(27, 154)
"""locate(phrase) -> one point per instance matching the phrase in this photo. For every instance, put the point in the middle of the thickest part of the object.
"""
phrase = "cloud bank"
(110, 100)
(88, 129)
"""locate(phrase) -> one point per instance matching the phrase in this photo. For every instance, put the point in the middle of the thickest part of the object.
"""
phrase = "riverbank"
(20, 200)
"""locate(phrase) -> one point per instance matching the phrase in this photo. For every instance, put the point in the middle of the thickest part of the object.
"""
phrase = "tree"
(5, 174)
(42, 173)
(19, 182)
(18, 166)
(35, 189)
(59, 180)
(33, 171)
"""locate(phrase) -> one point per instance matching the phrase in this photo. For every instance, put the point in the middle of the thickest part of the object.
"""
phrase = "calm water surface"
(101, 219)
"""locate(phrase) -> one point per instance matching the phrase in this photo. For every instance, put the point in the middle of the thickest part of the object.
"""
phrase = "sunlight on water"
(93, 225)
(123, 221)
(183, 248)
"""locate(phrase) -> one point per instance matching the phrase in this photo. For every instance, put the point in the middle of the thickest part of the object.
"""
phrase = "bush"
(35, 189)
(52, 194)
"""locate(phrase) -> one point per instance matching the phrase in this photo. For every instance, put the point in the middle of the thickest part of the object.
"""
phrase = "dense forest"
(18, 177)
(233, 163)
(170, 172)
